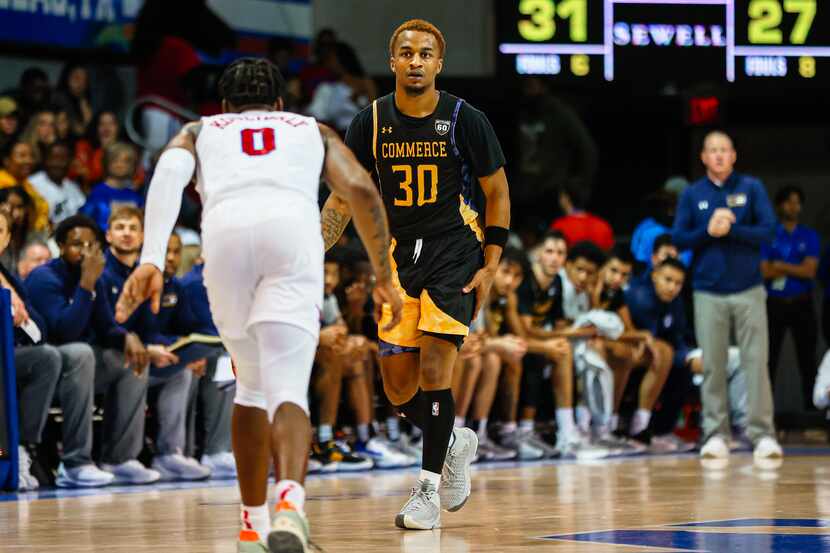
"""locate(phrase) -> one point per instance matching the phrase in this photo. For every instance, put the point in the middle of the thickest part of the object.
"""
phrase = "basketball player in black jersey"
(427, 150)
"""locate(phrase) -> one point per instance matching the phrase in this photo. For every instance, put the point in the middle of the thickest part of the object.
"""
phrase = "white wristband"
(164, 200)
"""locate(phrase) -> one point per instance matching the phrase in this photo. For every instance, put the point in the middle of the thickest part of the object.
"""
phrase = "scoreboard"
(662, 40)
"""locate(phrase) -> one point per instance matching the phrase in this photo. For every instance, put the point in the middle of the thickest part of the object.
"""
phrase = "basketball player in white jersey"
(258, 170)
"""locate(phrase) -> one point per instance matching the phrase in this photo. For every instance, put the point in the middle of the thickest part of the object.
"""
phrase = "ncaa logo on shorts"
(436, 409)
(442, 127)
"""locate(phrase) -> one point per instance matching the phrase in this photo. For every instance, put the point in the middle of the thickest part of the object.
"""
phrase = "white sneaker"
(179, 467)
(456, 481)
(222, 465)
(85, 476)
(384, 455)
(423, 510)
(131, 472)
(715, 448)
(25, 481)
(768, 454)
(412, 447)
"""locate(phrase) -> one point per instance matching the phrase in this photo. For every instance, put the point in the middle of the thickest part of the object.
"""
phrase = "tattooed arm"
(350, 181)
(335, 217)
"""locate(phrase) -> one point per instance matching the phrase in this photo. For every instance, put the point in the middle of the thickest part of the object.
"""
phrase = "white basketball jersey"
(272, 159)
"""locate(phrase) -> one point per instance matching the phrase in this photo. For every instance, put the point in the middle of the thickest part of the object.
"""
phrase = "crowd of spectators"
(587, 345)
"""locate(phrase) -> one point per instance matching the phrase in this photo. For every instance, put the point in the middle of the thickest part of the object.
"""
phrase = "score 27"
(765, 17)
(542, 23)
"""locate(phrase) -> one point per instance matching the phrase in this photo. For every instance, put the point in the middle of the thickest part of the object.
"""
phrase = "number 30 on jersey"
(427, 177)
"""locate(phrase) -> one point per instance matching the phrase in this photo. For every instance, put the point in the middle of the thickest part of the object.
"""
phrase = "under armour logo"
(436, 408)
(385, 130)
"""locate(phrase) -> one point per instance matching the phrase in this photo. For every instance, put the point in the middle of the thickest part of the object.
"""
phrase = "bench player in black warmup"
(427, 149)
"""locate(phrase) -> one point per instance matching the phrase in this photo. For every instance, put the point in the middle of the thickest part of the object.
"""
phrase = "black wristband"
(495, 236)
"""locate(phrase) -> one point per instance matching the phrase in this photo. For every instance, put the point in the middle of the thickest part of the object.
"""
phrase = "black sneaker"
(335, 457)
(38, 469)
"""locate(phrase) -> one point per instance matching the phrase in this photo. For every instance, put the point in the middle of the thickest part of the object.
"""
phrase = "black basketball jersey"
(497, 316)
(544, 305)
(426, 167)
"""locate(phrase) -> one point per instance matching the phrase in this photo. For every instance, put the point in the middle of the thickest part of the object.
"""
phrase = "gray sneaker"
(549, 451)
(423, 510)
(456, 482)
(490, 451)
(524, 450)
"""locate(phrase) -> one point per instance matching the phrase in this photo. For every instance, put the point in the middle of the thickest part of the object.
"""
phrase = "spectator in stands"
(316, 72)
(34, 92)
(177, 319)
(72, 95)
(62, 194)
(627, 351)
(63, 129)
(789, 266)
(88, 163)
(35, 253)
(661, 205)
(38, 368)
(125, 235)
(281, 52)
(214, 400)
(540, 314)
(577, 224)
(337, 102)
(500, 348)
(19, 205)
(336, 358)
(724, 218)
(555, 149)
(9, 120)
(121, 163)
(39, 134)
(70, 294)
(18, 163)
(657, 309)
(824, 279)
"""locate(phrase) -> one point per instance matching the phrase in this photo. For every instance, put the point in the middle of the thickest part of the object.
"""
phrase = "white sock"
(363, 432)
(526, 425)
(393, 429)
(640, 420)
(615, 422)
(325, 433)
(293, 492)
(583, 418)
(459, 422)
(565, 420)
(508, 428)
(482, 428)
(257, 519)
(435, 479)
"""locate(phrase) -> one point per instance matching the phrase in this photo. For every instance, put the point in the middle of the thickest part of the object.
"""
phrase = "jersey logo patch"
(386, 130)
(442, 127)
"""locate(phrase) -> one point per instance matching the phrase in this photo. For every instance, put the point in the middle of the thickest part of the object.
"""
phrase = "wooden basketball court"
(646, 504)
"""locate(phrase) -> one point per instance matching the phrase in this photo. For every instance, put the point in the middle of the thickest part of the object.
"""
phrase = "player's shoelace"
(420, 497)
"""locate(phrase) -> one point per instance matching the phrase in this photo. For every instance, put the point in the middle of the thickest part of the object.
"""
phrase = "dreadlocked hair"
(251, 81)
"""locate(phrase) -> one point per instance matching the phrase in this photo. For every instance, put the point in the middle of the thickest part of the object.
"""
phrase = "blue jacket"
(113, 278)
(70, 312)
(99, 202)
(732, 263)
(642, 241)
(666, 321)
(176, 317)
(194, 286)
(20, 337)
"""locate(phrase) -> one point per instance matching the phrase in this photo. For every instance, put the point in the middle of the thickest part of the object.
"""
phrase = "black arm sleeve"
(359, 138)
(478, 142)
